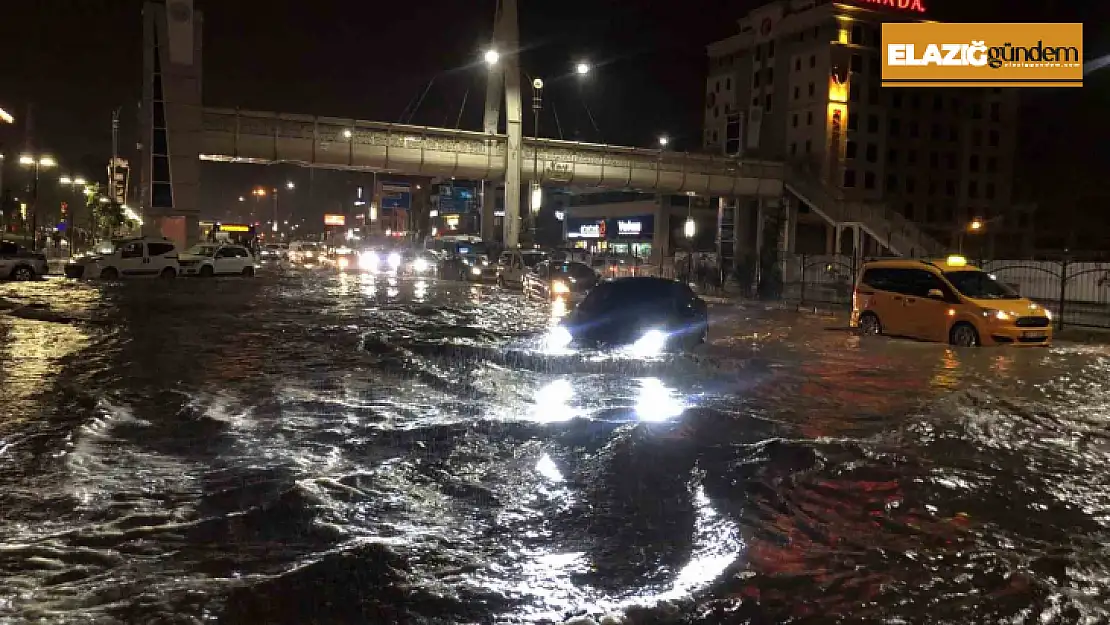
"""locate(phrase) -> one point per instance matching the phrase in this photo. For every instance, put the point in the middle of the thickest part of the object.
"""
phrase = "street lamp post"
(536, 197)
(36, 163)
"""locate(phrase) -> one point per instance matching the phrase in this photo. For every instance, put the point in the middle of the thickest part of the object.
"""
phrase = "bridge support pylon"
(506, 73)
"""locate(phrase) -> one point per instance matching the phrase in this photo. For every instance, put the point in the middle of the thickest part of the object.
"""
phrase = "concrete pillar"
(790, 209)
(744, 242)
(831, 234)
(838, 245)
(857, 242)
(760, 219)
(661, 237)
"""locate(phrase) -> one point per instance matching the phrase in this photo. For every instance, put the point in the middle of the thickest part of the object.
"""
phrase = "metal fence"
(1077, 293)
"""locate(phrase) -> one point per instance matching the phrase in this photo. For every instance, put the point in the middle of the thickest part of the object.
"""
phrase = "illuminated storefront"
(620, 235)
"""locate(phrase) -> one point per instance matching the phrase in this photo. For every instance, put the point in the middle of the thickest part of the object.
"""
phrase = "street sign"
(559, 172)
(396, 195)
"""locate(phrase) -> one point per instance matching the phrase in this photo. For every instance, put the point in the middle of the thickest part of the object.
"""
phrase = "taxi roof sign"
(955, 260)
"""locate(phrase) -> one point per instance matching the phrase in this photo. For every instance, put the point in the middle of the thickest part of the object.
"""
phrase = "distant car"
(648, 315)
(379, 260)
(418, 263)
(274, 252)
(342, 258)
(215, 259)
(468, 267)
(305, 252)
(19, 263)
(143, 257)
(567, 281)
(512, 266)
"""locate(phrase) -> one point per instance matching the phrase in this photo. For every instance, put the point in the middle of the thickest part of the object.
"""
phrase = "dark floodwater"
(307, 448)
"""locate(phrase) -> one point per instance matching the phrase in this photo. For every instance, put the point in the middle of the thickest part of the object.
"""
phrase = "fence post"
(1063, 294)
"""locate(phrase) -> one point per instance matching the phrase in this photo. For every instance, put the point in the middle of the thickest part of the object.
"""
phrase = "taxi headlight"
(1000, 315)
(559, 286)
(368, 261)
(394, 260)
(344, 262)
(419, 265)
(1047, 314)
(650, 344)
(476, 271)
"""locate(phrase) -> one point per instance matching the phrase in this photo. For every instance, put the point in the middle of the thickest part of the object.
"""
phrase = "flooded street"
(313, 448)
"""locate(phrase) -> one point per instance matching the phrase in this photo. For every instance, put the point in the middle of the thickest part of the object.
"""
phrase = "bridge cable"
(462, 107)
(421, 100)
(558, 126)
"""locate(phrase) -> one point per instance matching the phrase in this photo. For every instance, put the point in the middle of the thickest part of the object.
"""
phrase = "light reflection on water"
(236, 439)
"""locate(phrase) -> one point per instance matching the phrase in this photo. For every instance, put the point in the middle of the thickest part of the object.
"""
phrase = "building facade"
(800, 82)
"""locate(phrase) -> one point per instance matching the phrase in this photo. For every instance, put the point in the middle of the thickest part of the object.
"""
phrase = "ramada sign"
(904, 5)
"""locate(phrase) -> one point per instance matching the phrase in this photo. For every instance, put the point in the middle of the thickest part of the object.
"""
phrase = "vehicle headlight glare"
(1048, 314)
(558, 338)
(343, 262)
(368, 261)
(559, 287)
(650, 344)
(476, 271)
(419, 265)
(394, 260)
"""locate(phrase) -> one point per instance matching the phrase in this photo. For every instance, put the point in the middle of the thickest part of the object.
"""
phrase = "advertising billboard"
(335, 220)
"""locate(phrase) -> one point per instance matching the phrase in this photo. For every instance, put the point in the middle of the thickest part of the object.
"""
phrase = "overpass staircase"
(898, 235)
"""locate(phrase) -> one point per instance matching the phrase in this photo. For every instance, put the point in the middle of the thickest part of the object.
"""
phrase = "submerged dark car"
(650, 315)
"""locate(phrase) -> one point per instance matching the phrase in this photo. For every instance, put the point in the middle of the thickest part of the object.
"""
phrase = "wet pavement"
(311, 448)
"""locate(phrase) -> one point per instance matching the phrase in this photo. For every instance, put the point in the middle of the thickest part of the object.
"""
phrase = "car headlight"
(368, 261)
(557, 338)
(1000, 315)
(559, 286)
(308, 254)
(419, 265)
(476, 271)
(344, 262)
(650, 344)
(1047, 314)
(394, 260)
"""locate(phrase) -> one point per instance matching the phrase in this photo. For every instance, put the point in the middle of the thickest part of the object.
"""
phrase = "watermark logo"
(979, 55)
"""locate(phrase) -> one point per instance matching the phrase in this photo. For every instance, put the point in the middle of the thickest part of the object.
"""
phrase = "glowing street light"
(347, 133)
(290, 185)
(663, 141)
(26, 160)
(689, 228)
(582, 68)
(6, 117)
(66, 180)
(975, 225)
(491, 57)
(79, 181)
(242, 199)
(259, 192)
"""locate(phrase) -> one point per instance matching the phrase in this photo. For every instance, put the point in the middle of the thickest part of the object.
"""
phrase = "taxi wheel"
(206, 271)
(109, 274)
(248, 272)
(168, 273)
(870, 325)
(963, 335)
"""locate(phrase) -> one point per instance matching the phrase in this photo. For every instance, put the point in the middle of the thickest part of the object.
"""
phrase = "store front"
(622, 236)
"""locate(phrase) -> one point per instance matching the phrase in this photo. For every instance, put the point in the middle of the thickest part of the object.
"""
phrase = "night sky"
(76, 60)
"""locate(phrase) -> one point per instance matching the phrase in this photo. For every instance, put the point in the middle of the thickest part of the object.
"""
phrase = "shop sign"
(335, 220)
(629, 226)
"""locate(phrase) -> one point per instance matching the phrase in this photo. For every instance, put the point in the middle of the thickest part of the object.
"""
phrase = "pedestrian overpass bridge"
(238, 136)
